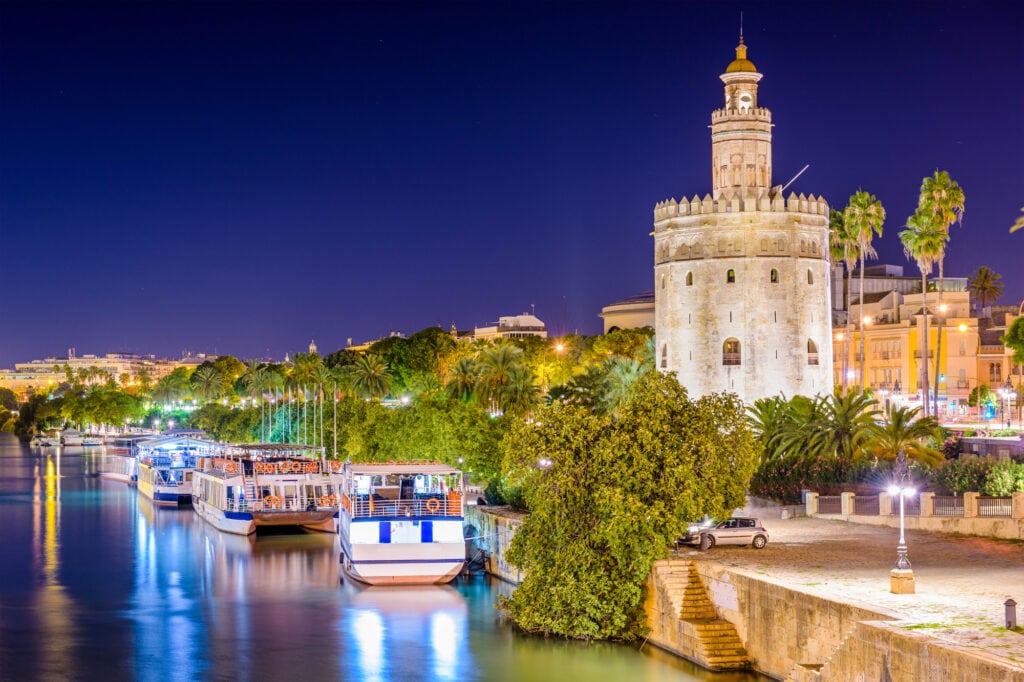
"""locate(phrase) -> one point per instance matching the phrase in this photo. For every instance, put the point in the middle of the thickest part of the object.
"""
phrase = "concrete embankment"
(723, 617)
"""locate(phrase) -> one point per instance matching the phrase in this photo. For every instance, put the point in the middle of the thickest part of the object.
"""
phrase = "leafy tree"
(863, 218)
(964, 475)
(231, 369)
(341, 358)
(495, 368)
(1004, 479)
(369, 376)
(1014, 340)
(462, 380)
(8, 399)
(207, 382)
(607, 497)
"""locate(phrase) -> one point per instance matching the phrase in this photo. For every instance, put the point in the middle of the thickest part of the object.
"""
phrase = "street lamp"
(1006, 393)
(901, 578)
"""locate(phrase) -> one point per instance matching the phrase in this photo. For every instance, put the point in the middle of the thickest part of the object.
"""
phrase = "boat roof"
(172, 442)
(272, 449)
(383, 468)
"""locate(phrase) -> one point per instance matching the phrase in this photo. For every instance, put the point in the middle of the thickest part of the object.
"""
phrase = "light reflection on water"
(96, 582)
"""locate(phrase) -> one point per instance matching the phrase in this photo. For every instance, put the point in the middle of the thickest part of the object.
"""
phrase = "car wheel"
(707, 542)
(759, 542)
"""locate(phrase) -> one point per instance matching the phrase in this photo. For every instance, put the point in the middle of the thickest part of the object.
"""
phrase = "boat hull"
(246, 523)
(435, 557)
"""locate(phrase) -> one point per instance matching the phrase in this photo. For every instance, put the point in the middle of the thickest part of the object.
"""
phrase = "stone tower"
(742, 275)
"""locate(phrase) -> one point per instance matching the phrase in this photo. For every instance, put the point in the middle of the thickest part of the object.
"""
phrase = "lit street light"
(901, 578)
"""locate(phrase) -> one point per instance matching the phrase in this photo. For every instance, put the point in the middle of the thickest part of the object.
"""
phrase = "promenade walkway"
(962, 582)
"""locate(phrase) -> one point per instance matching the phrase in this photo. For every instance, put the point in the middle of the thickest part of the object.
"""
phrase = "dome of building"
(741, 63)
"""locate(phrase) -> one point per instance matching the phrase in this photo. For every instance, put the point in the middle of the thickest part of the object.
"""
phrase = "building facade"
(513, 327)
(742, 286)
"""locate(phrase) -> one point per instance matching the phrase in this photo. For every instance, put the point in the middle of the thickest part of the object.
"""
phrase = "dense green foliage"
(608, 494)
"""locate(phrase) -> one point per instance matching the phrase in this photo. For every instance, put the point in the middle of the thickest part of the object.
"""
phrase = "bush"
(963, 475)
(1004, 479)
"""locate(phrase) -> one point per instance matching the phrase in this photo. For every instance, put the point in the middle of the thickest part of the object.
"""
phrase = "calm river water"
(96, 583)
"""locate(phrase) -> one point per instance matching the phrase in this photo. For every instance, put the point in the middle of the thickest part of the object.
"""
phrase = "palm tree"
(842, 245)
(620, 375)
(462, 379)
(923, 240)
(944, 199)
(370, 376)
(520, 394)
(985, 286)
(900, 431)
(495, 367)
(256, 380)
(207, 382)
(863, 217)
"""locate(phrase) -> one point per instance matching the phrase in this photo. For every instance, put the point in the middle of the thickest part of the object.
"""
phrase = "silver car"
(736, 531)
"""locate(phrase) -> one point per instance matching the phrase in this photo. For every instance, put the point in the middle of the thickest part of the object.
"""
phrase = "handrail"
(439, 505)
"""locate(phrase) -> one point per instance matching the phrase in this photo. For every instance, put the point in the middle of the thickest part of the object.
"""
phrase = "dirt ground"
(962, 582)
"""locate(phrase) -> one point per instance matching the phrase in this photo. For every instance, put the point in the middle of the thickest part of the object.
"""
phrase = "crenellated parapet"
(753, 113)
(794, 203)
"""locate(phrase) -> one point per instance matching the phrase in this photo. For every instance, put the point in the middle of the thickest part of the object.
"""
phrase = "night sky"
(242, 178)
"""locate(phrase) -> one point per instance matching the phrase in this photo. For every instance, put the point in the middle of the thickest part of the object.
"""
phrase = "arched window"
(774, 276)
(812, 352)
(663, 278)
(731, 352)
(689, 279)
(730, 276)
(810, 276)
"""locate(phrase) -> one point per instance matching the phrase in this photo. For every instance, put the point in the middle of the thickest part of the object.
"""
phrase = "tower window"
(812, 352)
(663, 278)
(810, 276)
(774, 276)
(664, 356)
(689, 279)
(730, 276)
(731, 352)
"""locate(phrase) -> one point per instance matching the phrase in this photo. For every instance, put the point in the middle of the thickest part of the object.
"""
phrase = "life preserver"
(297, 467)
(332, 499)
(335, 465)
(311, 468)
(231, 467)
(433, 505)
(269, 500)
(322, 500)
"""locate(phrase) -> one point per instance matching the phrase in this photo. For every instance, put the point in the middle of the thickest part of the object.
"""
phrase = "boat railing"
(282, 503)
(368, 506)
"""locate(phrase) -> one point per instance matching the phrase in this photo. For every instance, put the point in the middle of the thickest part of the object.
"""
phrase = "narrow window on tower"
(775, 276)
(775, 314)
(730, 316)
(689, 279)
(664, 355)
(812, 352)
(730, 276)
(689, 318)
(810, 276)
(663, 282)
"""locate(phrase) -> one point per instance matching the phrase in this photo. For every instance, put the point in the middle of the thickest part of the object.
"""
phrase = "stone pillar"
(812, 504)
(970, 505)
(885, 505)
(927, 504)
(846, 504)
(1017, 506)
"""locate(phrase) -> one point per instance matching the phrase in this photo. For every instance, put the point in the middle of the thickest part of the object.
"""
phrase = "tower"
(312, 347)
(742, 274)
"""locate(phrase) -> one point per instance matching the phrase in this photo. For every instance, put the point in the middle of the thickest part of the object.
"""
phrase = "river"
(97, 583)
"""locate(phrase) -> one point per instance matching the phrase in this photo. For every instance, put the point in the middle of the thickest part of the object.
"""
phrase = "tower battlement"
(794, 203)
(753, 113)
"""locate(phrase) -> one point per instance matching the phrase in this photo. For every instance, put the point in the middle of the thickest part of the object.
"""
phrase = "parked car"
(693, 531)
(735, 531)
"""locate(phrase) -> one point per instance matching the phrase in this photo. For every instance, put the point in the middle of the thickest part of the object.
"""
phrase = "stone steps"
(719, 644)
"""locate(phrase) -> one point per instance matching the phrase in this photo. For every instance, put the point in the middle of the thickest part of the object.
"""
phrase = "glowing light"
(443, 639)
(867, 319)
(368, 631)
(962, 327)
(850, 374)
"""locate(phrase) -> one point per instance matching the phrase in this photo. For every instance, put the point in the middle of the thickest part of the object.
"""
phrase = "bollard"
(1011, 614)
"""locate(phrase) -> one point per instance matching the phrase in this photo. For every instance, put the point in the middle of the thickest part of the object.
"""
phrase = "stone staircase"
(715, 642)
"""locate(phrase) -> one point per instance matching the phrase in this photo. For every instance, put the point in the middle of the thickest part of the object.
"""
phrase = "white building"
(513, 327)
(742, 292)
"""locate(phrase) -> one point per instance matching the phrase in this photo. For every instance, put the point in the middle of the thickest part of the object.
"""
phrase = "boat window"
(362, 485)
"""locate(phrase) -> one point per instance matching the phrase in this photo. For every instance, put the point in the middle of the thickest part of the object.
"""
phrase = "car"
(735, 531)
(693, 531)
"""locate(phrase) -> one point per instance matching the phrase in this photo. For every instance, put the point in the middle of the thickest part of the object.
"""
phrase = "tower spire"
(741, 27)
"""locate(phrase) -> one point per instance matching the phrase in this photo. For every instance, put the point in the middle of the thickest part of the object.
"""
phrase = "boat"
(71, 437)
(401, 523)
(92, 441)
(41, 441)
(245, 487)
(119, 467)
(166, 465)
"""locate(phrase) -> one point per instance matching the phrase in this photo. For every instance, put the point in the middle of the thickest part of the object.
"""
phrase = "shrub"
(963, 475)
(1004, 479)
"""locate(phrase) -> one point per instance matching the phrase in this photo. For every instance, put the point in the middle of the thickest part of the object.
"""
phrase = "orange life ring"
(335, 465)
(322, 501)
(297, 467)
(231, 467)
(332, 499)
(311, 468)
(433, 505)
(268, 501)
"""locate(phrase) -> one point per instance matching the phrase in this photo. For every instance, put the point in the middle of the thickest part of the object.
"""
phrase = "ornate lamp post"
(1006, 393)
(901, 578)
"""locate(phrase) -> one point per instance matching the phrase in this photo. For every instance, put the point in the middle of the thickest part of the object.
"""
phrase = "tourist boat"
(71, 437)
(245, 487)
(92, 441)
(166, 465)
(401, 523)
(41, 441)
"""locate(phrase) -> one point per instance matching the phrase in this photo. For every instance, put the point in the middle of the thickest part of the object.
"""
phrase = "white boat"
(41, 441)
(71, 437)
(245, 487)
(166, 465)
(92, 441)
(401, 523)
(122, 468)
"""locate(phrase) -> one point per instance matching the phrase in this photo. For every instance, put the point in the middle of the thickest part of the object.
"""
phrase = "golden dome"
(741, 63)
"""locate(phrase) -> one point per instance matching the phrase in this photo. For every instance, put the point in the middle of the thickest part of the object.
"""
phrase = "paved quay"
(962, 582)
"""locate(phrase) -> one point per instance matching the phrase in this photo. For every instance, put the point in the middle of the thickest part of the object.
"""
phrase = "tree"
(462, 380)
(207, 382)
(607, 497)
(843, 245)
(1014, 340)
(943, 198)
(369, 376)
(495, 367)
(8, 399)
(899, 431)
(985, 286)
(923, 241)
(863, 218)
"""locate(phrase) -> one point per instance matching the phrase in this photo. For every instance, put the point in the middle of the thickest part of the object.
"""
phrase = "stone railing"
(794, 203)
(968, 514)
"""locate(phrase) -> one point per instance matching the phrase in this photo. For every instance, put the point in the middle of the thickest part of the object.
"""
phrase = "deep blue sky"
(242, 178)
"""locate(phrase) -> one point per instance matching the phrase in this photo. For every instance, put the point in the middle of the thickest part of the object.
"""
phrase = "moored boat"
(401, 523)
(41, 441)
(71, 437)
(166, 465)
(92, 441)
(244, 487)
